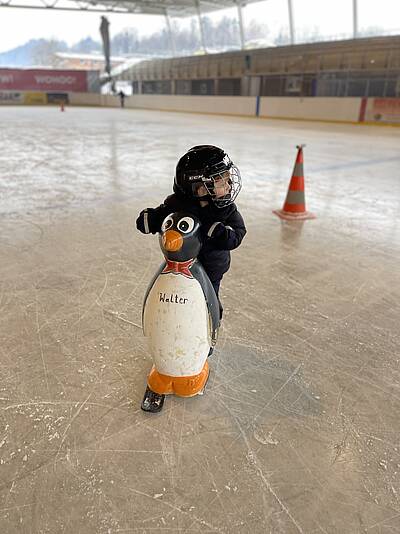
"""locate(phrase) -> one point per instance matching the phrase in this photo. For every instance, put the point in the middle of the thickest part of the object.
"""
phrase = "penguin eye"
(167, 224)
(186, 225)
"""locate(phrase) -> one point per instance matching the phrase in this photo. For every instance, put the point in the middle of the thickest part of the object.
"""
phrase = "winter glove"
(224, 237)
(146, 222)
(214, 230)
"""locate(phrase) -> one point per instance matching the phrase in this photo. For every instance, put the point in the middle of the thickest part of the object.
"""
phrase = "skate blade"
(152, 402)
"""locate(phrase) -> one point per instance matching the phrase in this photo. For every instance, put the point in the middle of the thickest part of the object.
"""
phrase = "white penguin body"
(176, 324)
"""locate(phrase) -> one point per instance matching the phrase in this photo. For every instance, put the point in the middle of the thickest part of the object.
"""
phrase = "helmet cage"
(214, 181)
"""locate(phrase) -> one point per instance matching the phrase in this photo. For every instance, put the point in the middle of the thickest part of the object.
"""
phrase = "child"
(206, 184)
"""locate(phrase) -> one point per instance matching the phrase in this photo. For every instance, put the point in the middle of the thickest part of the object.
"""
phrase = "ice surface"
(299, 428)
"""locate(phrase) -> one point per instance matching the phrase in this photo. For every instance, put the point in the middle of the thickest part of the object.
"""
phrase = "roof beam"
(201, 28)
(291, 22)
(75, 6)
(175, 8)
(170, 34)
(241, 25)
(355, 19)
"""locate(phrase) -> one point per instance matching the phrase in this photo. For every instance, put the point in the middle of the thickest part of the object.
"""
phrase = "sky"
(331, 17)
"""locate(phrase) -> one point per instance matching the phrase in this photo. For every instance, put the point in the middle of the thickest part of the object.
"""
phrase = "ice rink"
(299, 429)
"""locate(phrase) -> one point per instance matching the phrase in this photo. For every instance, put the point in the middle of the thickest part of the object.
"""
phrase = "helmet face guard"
(206, 172)
(221, 188)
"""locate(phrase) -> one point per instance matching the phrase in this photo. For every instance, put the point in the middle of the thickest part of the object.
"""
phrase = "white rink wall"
(346, 109)
(229, 105)
(311, 108)
(353, 109)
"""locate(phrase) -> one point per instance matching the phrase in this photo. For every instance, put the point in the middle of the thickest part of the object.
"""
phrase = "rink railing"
(333, 109)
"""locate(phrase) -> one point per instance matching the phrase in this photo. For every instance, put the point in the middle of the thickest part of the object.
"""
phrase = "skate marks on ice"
(265, 374)
(298, 429)
(315, 443)
(100, 456)
(67, 385)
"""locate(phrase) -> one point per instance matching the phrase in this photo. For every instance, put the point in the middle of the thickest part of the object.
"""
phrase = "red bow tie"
(179, 267)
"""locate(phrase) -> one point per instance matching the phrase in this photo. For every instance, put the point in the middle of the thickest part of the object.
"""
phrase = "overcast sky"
(332, 17)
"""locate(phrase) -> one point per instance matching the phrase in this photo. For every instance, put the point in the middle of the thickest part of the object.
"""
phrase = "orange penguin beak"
(172, 241)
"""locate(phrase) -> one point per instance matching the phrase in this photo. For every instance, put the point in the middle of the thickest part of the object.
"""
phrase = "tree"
(86, 46)
(43, 51)
(256, 30)
(125, 42)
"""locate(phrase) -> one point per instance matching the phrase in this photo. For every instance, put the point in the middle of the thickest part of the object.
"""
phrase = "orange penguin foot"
(183, 386)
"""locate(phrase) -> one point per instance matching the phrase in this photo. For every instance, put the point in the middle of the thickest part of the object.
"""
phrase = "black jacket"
(223, 230)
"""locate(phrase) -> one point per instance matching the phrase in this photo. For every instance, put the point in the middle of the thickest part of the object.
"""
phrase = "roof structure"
(174, 8)
(177, 8)
(166, 8)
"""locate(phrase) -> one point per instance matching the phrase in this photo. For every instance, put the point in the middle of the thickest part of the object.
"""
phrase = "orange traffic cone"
(62, 105)
(294, 208)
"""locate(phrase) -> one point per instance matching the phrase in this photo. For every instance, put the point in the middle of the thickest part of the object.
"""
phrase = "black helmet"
(207, 172)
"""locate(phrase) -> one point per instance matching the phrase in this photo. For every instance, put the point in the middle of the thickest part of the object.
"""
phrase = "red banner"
(383, 110)
(43, 80)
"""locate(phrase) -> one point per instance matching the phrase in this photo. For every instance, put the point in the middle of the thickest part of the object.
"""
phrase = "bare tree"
(43, 52)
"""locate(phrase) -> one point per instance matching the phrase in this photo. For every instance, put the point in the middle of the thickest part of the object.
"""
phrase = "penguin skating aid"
(180, 315)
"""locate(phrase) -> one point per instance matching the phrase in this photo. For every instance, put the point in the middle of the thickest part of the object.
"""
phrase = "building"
(67, 60)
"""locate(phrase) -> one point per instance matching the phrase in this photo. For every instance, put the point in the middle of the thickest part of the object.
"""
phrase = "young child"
(206, 184)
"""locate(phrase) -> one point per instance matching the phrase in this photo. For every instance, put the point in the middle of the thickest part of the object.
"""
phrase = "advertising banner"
(57, 98)
(385, 110)
(10, 97)
(34, 99)
(43, 80)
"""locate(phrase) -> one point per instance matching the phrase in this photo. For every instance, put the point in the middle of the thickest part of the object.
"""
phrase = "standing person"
(121, 95)
(206, 184)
